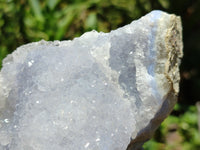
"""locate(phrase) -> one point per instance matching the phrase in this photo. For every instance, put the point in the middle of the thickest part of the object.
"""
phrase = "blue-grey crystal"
(95, 92)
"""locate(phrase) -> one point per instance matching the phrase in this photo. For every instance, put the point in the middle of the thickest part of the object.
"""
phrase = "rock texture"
(101, 91)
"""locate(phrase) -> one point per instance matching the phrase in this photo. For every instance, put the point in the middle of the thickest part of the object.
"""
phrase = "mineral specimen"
(101, 91)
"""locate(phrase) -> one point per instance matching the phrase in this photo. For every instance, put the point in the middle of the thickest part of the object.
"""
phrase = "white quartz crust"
(96, 92)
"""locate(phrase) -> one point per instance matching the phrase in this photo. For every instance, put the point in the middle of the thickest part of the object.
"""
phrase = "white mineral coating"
(101, 91)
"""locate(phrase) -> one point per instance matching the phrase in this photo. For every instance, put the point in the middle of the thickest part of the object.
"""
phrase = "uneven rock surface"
(101, 91)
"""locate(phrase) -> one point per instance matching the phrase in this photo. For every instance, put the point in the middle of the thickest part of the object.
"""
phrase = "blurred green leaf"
(52, 3)
(64, 25)
(35, 4)
(153, 145)
(3, 53)
(91, 21)
(165, 3)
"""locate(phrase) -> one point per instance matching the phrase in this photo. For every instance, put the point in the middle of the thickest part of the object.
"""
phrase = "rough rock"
(101, 91)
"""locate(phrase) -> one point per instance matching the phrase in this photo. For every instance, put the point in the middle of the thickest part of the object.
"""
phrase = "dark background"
(24, 21)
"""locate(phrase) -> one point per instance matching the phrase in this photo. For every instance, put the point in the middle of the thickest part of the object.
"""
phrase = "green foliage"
(185, 129)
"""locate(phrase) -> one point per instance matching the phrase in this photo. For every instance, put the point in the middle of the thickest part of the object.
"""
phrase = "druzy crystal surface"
(101, 91)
